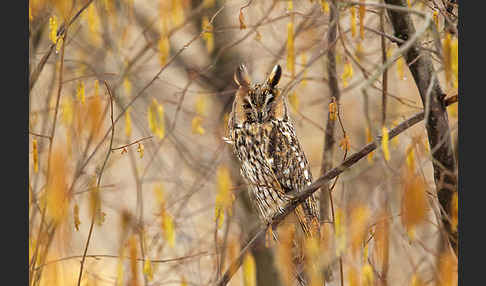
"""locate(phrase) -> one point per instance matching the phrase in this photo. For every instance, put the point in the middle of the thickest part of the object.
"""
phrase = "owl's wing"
(291, 169)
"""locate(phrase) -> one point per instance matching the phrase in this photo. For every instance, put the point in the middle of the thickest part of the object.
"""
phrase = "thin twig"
(98, 256)
(133, 143)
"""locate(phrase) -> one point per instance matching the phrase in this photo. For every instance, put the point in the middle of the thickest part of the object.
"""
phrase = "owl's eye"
(246, 104)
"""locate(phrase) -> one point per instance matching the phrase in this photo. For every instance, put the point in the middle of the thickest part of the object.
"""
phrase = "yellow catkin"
(132, 244)
(324, 6)
(258, 36)
(382, 238)
(141, 149)
(359, 222)
(200, 107)
(53, 29)
(347, 72)
(401, 68)
(411, 159)
(208, 3)
(241, 19)
(35, 155)
(164, 49)
(225, 196)
(447, 269)
(159, 193)
(340, 231)
(119, 269)
(168, 227)
(369, 139)
(57, 185)
(156, 119)
(332, 110)
(303, 62)
(95, 201)
(95, 115)
(80, 92)
(201, 104)
(109, 5)
(177, 12)
(447, 56)
(454, 211)
(414, 202)
(249, 270)
(454, 62)
(197, 125)
(353, 278)
(365, 252)
(361, 14)
(367, 277)
(312, 251)
(352, 11)
(96, 88)
(284, 255)
(128, 123)
(77, 222)
(91, 16)
(147, 270)
(339, 58)
(167, 223)
(409, 3)
(127, 85)
(385, 142)
(294, 101)
(436, 19)
(183, 281)
(416, 281)
(208, 34)
(290, 49)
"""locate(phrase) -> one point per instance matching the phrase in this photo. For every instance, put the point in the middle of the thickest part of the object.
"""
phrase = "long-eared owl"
(264, 140)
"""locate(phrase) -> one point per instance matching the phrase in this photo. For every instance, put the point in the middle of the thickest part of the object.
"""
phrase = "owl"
(271, 159)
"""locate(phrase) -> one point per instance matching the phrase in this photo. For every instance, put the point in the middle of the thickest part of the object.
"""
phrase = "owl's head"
(258, 102)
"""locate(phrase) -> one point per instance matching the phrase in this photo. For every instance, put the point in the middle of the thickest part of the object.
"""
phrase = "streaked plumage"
(272, 160)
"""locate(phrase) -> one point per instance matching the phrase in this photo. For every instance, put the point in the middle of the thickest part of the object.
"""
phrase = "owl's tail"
(309, 223)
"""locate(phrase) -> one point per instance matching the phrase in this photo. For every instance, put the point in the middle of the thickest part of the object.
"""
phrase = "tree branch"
(437, 123)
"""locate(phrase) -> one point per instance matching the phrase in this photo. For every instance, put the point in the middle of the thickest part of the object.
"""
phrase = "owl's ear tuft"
(241, 76)
(274, 76)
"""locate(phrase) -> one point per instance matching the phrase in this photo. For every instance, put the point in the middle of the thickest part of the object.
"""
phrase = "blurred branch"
(49, 155)
(108, 88)
(98, 256)
(437, 123)
(300, 196)
(329, 139)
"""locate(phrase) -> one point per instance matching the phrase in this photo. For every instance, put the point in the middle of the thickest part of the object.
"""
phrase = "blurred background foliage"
(129, 172)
